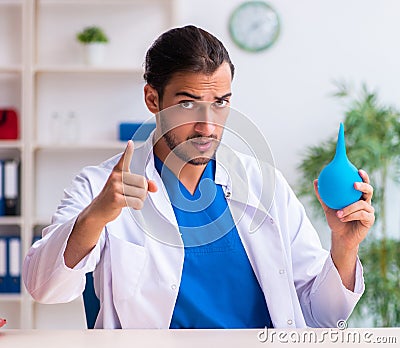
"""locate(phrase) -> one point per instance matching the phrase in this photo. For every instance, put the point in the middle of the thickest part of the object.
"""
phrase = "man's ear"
(151, 99)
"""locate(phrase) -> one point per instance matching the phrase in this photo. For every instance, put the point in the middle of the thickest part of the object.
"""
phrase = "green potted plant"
(373, 144)
(94, 39)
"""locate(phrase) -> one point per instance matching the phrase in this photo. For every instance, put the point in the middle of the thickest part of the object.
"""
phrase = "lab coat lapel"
(157, 218)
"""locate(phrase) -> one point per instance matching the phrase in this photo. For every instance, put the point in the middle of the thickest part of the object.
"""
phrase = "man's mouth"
(202, 144)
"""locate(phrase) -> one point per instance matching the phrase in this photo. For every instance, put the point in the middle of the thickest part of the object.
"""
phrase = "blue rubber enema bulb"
(336, 180)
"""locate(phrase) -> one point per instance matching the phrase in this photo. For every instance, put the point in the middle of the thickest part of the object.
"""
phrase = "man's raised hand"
(122, 189)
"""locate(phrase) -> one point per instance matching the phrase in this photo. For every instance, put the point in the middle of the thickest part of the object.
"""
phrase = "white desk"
(191, 338)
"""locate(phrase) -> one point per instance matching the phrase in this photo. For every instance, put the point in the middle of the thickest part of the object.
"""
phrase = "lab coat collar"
(248, 189)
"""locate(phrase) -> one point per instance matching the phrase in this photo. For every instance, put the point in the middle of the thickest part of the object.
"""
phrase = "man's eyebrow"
(186, 94)
(224, 96)
(196, 97)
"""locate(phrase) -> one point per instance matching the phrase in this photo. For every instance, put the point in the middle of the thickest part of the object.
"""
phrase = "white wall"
(287, 89)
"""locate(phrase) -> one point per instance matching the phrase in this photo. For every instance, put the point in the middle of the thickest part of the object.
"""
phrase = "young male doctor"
(162, 257)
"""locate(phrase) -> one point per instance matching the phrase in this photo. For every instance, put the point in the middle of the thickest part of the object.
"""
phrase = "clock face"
(254, 26)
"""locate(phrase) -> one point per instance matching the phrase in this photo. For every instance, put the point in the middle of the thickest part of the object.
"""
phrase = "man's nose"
(205, 128)
(205, 121)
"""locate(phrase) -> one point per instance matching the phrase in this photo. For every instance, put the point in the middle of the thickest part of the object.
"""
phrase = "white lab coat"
(138, 260)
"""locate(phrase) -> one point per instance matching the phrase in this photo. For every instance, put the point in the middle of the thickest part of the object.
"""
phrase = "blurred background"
(69, 103)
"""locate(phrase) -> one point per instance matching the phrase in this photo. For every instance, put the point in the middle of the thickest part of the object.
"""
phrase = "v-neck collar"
(175, 187)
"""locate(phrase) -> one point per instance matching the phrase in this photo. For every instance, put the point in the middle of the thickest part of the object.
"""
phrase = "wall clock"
(254, 26)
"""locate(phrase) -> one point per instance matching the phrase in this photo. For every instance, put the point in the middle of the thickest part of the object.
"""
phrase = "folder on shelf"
(14, 264)
(11, 187)
(2, 204)
(3, 264)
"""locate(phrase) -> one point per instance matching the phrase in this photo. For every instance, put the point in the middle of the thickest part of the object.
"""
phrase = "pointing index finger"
(124, 162)
(126, 165)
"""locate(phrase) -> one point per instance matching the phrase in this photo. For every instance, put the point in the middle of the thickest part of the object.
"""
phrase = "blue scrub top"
(218, 286)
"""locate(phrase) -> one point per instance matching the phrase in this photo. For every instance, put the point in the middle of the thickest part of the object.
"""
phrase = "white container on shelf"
(55, 128)
(95, 53)
(70, 129)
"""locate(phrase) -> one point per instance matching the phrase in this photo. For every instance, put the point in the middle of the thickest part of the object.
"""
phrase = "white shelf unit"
(84, 69)
(11, 144)
(11, 3)
(10, 68)
(11, 96)
(43, 74)
(10, 220)
(107, 145)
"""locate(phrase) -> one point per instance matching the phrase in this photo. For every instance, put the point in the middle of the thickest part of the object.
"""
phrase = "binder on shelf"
(3, 264)
(14, 264)
(11, 187)
(2, 203)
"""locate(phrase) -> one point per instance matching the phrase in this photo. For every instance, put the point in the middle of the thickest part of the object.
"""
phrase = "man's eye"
(221, 103)
(187, 104)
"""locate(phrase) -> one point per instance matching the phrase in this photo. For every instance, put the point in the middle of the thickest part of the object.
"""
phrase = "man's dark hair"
(186, 49)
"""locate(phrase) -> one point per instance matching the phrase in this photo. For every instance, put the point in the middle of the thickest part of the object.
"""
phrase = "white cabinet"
(69, 112)
(11, 82)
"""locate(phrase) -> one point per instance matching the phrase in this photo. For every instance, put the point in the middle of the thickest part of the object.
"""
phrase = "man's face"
(194, 110)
